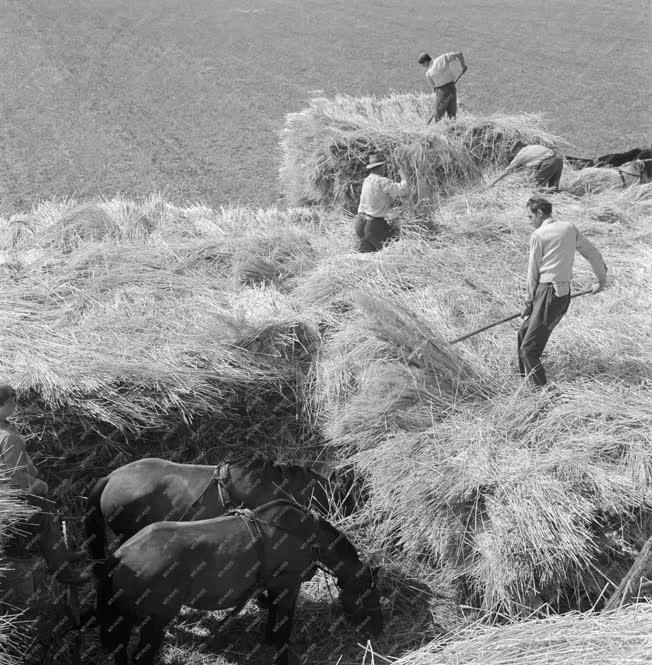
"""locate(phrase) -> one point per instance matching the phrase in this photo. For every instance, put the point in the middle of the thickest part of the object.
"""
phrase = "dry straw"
(613, 638)
(326, 146)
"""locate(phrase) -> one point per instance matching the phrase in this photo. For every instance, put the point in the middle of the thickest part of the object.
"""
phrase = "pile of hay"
(326, 146)
(151, 317)
(524, 500)
(621, 636)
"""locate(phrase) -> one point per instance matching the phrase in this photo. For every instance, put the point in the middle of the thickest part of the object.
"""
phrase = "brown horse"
(154, 490)
(222, 562)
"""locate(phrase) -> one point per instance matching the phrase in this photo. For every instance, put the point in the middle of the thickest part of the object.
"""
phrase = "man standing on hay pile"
(42, 531)
(442, 78)
(552, 252)
(546, 164)
(376, 198)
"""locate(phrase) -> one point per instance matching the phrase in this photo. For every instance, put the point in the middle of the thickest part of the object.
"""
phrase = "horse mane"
(343, 545)
(260, 461)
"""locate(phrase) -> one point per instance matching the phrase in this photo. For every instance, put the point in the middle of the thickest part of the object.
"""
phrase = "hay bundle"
(609, 638)
(19, 231)
(87, 223)
(326, 147)
(594, 179)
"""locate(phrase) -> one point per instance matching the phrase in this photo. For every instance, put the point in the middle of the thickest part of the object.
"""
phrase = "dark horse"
(153, 490)
(222, 562)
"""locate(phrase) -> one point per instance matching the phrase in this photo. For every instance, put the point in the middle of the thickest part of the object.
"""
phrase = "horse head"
(361, 601)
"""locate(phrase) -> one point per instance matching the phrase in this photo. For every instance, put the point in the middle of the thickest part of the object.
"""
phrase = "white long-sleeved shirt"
(552, 253)
(378, 193)
(530, 156)
(444, 70)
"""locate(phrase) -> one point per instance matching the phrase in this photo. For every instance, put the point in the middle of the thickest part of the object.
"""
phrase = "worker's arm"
(396, 189)
(534, 263)
(19, 464)
(592, 254)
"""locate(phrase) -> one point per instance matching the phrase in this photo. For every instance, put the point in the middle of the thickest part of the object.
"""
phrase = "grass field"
(187, 98)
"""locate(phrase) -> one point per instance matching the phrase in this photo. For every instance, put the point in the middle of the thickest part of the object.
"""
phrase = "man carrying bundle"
(378, 191)
(441, 75)
(544, 163)
(552, 253)
(42, 529)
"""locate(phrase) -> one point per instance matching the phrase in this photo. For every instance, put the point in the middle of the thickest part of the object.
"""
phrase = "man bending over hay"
(42, 531)
(546, 164)
(376, 198)
(441, 75)
(552, 252)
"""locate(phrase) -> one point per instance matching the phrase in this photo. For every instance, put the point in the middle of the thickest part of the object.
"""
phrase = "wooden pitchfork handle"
(507, 318)
(454, 82)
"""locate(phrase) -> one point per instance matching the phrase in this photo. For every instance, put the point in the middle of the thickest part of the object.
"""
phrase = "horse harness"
(253, 526)
(222, 477)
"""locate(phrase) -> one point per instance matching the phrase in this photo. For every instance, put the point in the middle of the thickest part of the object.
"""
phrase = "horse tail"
(94, 524)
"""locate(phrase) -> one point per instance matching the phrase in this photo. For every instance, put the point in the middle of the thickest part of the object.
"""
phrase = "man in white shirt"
(552, 252)
(441, 74)
(378, 193)
(546, 164)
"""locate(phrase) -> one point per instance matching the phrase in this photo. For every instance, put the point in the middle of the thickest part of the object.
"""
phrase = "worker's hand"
(597, 287)
(402, 171)
(527, 310)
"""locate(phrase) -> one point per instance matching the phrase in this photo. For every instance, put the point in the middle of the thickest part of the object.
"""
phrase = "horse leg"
(152, 632)
(282, 602)
(115, 638)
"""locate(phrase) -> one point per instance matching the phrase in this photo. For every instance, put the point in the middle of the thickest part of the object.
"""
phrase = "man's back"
(444, 69)
(557, 241)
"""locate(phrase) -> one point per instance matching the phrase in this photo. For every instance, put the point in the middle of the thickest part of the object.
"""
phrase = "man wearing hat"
(42, 531)
(376, 198)
(441, 75)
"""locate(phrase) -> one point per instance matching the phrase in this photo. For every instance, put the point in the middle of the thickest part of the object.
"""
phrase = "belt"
(437, 87)
(381, 219)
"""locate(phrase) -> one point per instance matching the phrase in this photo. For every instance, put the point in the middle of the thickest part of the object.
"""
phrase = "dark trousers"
(446, 101)
(548, 173)
(547, 311)
(373, 233)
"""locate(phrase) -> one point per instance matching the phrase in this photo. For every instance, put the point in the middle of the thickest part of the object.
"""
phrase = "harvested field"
(196, 334)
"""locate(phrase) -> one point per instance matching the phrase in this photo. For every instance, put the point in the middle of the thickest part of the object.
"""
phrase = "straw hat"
(376, 160)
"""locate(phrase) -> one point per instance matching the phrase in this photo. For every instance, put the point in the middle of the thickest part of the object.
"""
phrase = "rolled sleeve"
(394, 189)
(449, 57)
(533, 270)
(592, 254)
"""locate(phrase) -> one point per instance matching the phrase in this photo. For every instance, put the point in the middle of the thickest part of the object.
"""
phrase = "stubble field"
(185, 98)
